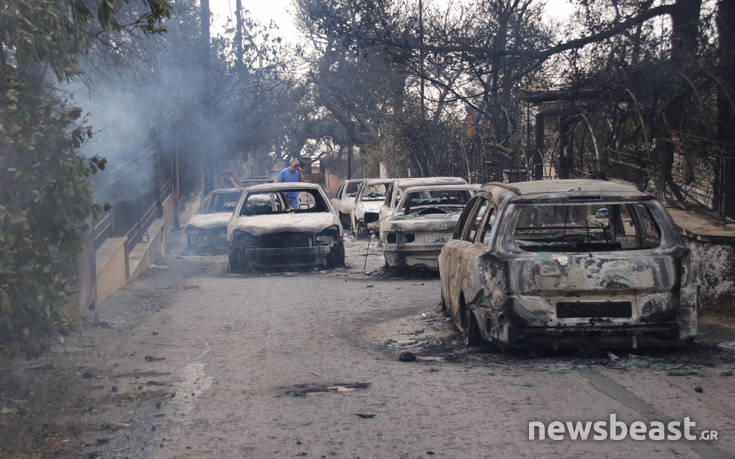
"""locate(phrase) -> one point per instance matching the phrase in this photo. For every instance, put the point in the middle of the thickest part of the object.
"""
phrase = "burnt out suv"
(567, 263)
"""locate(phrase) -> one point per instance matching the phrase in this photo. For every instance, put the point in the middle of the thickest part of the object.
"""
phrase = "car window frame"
(461, 222)
(492, 208)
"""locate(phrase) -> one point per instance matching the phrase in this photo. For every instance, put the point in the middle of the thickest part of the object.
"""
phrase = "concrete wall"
(150, 250)
(112, 267)
(712, 267)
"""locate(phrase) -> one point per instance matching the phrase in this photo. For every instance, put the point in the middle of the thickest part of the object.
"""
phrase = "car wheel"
(336, 256)
(470, 332)
(345, 220)
(361, 230)
(237, 265)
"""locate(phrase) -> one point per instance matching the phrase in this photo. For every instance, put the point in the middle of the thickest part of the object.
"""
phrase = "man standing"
(292, 173)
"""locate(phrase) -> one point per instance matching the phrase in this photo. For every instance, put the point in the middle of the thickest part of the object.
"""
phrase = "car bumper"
(207, 241)
(285, 257)
(413, 255)
(518, 324)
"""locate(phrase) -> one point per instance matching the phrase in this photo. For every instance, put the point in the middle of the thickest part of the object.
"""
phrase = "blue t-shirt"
(287, 175)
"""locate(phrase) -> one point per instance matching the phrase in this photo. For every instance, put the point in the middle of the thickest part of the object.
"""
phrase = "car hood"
(370, 206)
(209, 221)
(264, 224)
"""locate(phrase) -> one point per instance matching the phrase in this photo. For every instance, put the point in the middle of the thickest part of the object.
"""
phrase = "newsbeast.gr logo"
(612, 429)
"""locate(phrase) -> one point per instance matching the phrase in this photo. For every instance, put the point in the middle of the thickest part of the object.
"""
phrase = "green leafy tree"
(45, 199)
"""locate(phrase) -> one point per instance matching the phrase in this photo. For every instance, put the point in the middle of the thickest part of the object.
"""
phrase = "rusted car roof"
(568, 186)
(226, 190)
(284, 186)
(379, 180)
(416, 181)
(466, 186)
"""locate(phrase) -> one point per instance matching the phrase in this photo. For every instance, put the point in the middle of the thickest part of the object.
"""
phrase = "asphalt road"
(205, 363)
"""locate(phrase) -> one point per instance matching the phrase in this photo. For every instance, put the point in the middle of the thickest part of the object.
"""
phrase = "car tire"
(235, 261)
(361, 230)
(470, 332)
(345, 220)
(336, 256)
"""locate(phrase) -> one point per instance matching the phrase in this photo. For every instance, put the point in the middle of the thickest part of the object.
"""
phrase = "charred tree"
(724, 185)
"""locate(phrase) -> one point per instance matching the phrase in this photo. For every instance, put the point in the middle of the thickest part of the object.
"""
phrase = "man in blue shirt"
(292, 173)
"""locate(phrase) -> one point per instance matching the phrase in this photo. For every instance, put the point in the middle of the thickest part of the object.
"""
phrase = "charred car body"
(366, 210)
(207, 228)
(539, 263)
(423, 221)
(265, 231)
(395, 191)
(344, 201)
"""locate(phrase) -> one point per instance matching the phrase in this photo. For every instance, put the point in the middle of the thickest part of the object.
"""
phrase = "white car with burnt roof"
(394, 192)
(423, 222)
(284, 225)
(207, 228)
(568, 263)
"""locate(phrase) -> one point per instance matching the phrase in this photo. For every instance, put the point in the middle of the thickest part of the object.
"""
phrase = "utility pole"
(208, 158)
(238, 31)
(421, 56)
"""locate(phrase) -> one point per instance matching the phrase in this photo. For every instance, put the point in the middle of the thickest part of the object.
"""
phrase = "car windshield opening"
(283, 201)
(221, 202)
(434, 204)
(585, 227)
(351, 189)
(374, 192)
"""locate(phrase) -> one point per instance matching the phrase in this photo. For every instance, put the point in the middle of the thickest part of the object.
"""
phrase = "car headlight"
(328, 236)
(242, 238)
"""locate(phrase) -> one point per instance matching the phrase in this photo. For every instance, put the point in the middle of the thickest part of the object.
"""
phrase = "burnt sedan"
(207, 228)
(282, 225)
(541, 263)
(423, 221)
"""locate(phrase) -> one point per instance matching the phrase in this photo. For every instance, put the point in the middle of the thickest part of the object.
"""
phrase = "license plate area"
(594, 309)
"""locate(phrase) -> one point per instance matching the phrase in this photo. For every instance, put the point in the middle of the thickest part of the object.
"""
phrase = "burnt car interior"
(276, 202)
(435, 202)
(220, 202)
(586, 226)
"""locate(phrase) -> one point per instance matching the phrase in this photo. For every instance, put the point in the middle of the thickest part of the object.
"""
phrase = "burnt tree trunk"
(538, 156)
(724, 184)
(685, 23)
(565, 147)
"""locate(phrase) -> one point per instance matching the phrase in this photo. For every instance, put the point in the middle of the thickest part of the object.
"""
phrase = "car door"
(338, 197)
(451, 255)
(466, 251)
(385, 212)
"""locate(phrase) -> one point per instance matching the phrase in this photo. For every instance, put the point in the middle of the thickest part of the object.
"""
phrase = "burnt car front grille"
(283, 240)
(587, 309)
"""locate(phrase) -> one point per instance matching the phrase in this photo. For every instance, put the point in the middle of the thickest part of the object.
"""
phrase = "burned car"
(280, 225)
(539, 263)
(367, 205)
(344, 201)
(423, 221)
(395, 191)
(207, 228)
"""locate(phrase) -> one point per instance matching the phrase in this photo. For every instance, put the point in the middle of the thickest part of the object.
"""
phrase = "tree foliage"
(45, 199)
